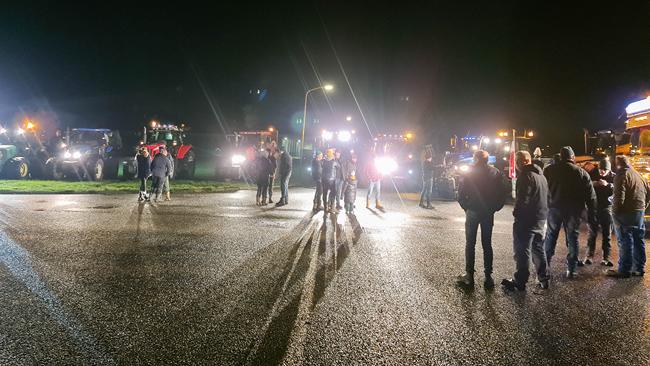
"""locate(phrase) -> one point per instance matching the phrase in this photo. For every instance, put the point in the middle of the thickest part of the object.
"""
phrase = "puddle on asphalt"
(104, 207)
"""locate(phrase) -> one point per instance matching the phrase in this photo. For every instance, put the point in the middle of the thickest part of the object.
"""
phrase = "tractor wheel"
(95, 169)
(16, 168)
(53, 171)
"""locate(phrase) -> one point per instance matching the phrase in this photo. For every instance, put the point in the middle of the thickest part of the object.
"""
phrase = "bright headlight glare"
(464, 168)
(385, 165)
(344, 136)
(237, 159)
(67, 155)
(76, 155)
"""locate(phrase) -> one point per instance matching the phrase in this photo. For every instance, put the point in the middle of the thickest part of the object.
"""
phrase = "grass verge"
(107, 187)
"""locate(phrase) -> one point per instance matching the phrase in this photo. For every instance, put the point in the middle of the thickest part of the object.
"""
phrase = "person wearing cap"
(427, 181)
(330, 170)
(631, 198)
(603, 180)
(350, 185)
(530, 211)
(481, 193)
(160, 170)
(284, 171)
(316, 175)
(570, 190)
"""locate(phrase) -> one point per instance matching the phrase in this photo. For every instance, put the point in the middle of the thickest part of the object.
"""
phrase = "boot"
(465, 281)
(168, 196)
(263, 203)
(257, 201)
(378, 205)
(155, 197)
(141, 196)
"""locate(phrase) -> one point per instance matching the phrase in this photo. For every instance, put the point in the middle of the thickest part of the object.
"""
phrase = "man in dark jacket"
(317, 175)
(144, 172)
(631, 198)
(427, 181)
(284, 170)
(274, 167)
(263, 169)
(482, 192)
(340, 179)
(602, 179)
(160, 169)
(570, 189)
(330, 169)
(531, 208)
(167, 185)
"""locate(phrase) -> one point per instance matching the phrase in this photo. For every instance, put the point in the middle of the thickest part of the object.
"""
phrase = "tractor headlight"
(385, 165)
(464, 168)
(237, 160)
(76, 155)
(67, 155)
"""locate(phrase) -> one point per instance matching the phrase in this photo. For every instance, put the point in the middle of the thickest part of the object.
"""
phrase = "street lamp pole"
(326, 87)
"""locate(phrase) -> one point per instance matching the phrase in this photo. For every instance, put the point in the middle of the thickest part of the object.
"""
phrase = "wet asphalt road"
(213, 279)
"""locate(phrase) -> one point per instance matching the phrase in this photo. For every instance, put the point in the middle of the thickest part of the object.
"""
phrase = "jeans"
(157, 184)
(604, 225)
(270, 188)
(528, 238)
(473, 220)
(319, 192)
(427, 191)
(339, 191)
(284, 187)
(374, 187)
(262, 189)
(166, 187)
(143, 185)
(329, 193)
(631, 248)
(350, 195)
(570, 221)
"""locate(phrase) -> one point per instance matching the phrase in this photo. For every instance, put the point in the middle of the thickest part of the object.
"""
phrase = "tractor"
(172, 138)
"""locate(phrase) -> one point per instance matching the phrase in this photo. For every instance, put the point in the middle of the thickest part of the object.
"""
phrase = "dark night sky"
(553, 68)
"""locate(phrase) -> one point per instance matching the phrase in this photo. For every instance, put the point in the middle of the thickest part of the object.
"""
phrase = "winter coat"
(274, 164)
(427, 169)
(531, 202)
(350, 171)
(631, 191)
(339, 169)
(372, 173)
(286, 163)
(263, 168)
(330, 170)
(171, 164)
(316, 169)
(161, 166)
(569, 187)
(604, 194)
(482, 189)
(144, 166)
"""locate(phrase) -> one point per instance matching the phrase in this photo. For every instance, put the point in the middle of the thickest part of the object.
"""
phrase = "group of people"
(336, 180)
(267, 163)
(160, 169)
(551, 198)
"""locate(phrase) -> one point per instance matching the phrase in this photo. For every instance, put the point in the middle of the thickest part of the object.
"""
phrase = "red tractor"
(172, 137)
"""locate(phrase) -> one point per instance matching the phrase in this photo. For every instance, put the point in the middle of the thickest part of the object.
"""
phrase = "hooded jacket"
(570, 188)
(631, 191)
(330, 169)
(531, 202)
(482, 189)
(161, 166)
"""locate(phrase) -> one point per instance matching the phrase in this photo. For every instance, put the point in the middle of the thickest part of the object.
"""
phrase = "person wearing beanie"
(603, 180)
(570, 190)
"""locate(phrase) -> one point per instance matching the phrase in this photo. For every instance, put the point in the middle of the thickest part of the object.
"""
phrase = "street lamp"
(348, 118)
(326, 87)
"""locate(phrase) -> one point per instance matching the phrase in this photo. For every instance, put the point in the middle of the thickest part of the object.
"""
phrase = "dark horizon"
(432, 69)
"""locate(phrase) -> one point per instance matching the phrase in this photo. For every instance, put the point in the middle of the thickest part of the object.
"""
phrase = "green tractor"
(11, 165)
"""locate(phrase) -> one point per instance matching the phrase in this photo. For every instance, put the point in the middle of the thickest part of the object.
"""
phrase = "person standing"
(530, 211)
(284, 171)
(144, 172)
(317, 175)
(340, 179)
(374, 183)
(263, 170)
(274, 167)
(602, 179)
(166, 185)
(427, 181)
(330, 169)
(350, 185)
(160, 169)
(631, 198)
(570, 189)
(481, 193)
